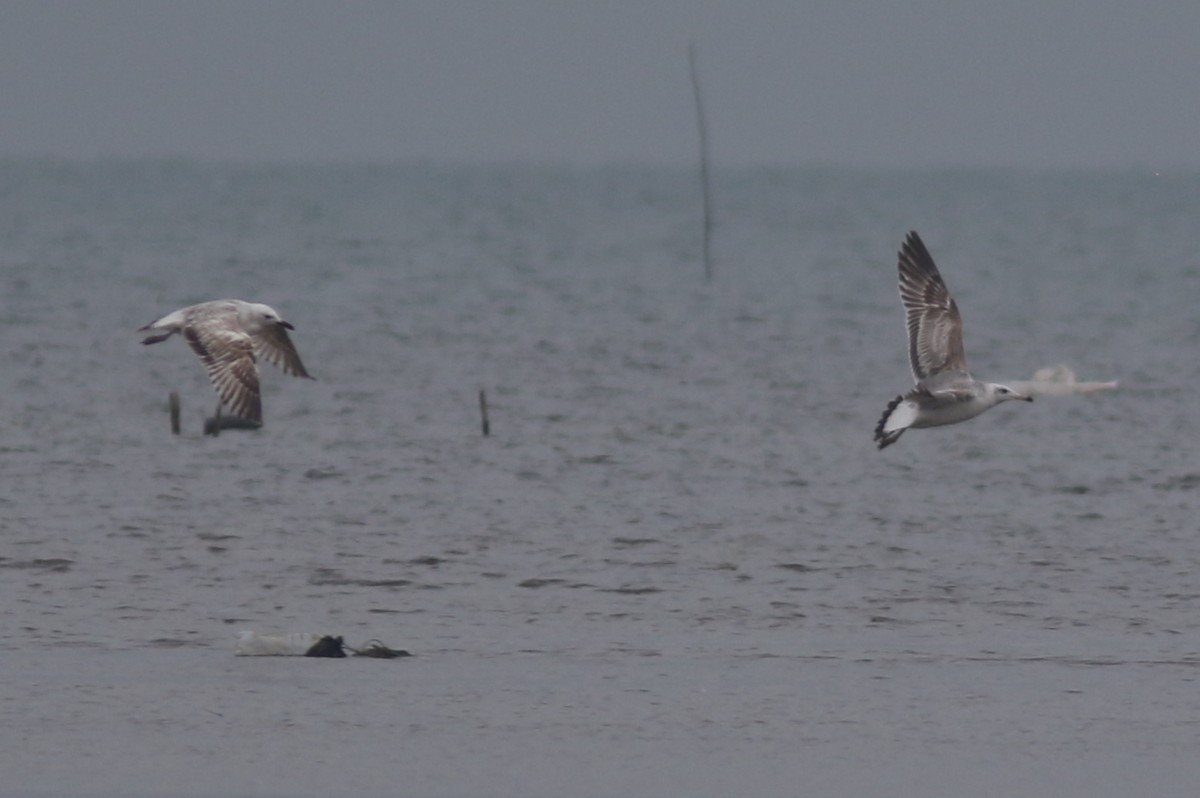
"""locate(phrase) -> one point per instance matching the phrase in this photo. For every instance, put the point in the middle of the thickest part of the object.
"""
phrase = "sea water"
(677, 565)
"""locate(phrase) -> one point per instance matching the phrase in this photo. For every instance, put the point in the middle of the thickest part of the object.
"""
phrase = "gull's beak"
(1025, 398)
(286, 325)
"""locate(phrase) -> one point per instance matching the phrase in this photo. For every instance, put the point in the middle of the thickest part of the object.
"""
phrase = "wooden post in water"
(704, 187)
(487, 428)
(173, 404)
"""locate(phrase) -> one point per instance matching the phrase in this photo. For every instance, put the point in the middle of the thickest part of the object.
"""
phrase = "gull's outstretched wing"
(934, 326)
(273, 345)
(228, 356)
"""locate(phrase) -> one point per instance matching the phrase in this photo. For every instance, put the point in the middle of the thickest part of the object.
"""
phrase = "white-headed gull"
(230, 335)
(945, 391)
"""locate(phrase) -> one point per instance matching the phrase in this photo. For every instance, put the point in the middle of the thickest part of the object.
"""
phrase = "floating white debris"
(1058, 381)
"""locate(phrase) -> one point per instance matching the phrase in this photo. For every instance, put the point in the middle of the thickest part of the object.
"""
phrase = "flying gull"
(945, 391)
(230, 335)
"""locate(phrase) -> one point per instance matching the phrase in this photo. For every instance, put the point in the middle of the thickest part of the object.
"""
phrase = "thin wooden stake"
(173, 404)
(704, 185)
(487, 428)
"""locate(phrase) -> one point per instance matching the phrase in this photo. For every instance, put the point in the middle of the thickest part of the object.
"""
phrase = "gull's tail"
(886, 437)
(167, 326)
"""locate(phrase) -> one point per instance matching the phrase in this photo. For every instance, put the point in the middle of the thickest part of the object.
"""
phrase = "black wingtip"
(914, 248)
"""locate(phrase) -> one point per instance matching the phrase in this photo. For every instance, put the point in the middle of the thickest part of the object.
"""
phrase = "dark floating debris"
(214, 424)
(305, 644)
(374, 648)
(327, 646)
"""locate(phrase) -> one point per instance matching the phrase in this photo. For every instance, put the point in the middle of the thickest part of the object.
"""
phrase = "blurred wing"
(274, 346)
(954, 394)
(228, 356)
(934, 326)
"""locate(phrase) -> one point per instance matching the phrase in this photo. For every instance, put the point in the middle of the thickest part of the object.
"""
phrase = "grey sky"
(1074, 83)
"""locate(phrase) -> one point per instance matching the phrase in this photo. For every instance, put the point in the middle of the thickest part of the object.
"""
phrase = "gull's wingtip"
(913, 247)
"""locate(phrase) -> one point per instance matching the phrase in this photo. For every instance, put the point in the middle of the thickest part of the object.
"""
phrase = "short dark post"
(173, 404)
(487, 429)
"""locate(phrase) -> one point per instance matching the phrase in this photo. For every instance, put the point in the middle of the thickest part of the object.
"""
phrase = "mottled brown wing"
(934, 326)
(274, 346)
(228, 356)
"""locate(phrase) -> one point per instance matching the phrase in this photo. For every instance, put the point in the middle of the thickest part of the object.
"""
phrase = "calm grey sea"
(678, 565)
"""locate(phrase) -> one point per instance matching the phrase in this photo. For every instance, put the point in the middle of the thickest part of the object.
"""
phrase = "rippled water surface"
(677, 566)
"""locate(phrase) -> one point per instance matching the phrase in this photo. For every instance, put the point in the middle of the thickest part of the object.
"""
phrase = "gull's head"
(1003, 393)
(263, 315)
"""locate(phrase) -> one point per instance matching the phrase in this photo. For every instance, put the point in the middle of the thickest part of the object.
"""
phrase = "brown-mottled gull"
(945, 391)
(230, 335)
